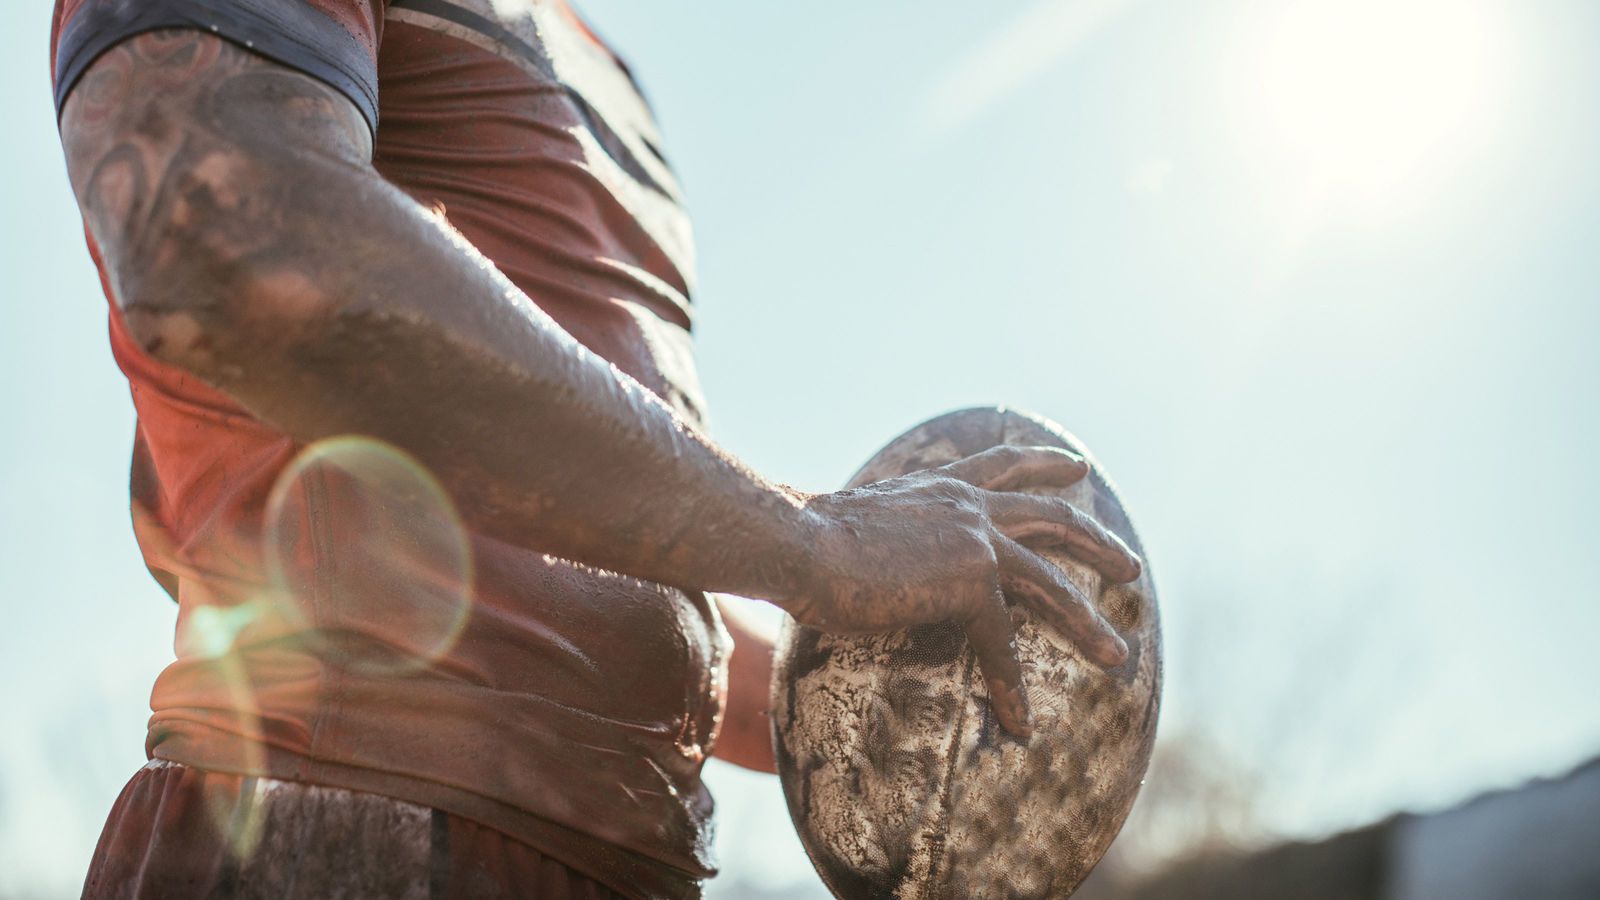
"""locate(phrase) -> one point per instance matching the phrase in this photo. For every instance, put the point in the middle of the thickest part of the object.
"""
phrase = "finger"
(1007, 468)
(1051, 521)
(1047, 591)
(994, 642)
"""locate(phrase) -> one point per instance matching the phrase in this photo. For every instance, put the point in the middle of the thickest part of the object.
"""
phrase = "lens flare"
(368, 557)
(212, 632)
(218, 637)
(235, 809)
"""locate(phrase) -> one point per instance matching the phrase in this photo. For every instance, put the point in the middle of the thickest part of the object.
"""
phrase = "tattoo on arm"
(165, 124)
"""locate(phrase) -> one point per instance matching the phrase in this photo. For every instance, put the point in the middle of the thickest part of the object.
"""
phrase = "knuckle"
(1003, 457)
(982, 550)
(1013, 454)
(958, 496)
(1076, 517)
(1055, 507)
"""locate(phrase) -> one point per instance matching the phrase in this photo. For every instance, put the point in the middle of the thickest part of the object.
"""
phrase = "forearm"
(293, 277)
(746, 737)
(425, 345)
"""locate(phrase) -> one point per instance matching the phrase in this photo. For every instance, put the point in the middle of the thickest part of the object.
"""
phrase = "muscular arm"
(249, 241)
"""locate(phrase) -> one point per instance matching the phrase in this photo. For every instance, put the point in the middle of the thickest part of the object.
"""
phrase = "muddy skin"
(409, 335)
(248, 241)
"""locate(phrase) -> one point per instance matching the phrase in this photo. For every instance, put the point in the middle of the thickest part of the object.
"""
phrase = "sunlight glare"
(1366, 101)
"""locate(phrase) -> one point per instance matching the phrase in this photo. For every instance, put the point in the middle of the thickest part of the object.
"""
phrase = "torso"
(577, 707)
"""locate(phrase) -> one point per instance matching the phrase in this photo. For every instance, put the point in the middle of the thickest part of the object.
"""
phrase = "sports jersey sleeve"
(334, 41)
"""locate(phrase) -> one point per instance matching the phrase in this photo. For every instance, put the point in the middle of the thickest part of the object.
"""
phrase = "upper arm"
(177, 140)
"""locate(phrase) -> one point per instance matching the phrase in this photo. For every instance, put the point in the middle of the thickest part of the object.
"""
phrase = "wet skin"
(250, 242)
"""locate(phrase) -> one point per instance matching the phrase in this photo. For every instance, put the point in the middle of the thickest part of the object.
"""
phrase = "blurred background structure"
(1318, 279)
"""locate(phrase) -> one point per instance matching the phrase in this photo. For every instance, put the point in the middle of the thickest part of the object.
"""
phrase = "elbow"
(179, 313)
(210, 324)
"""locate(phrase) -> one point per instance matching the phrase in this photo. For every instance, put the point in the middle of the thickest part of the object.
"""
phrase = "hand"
(952, 544)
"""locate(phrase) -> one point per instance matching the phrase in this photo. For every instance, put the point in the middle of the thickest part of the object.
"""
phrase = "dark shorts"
(179, 832)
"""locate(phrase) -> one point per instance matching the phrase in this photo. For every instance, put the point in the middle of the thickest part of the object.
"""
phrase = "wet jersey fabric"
(576, 709)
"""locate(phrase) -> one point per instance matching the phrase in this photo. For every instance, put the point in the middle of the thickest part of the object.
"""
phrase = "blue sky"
(1316, 280)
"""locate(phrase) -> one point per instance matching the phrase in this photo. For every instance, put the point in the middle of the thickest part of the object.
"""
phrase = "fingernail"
(1015, 701)
(1119, 649)
(1025, 717)
(1135, 563)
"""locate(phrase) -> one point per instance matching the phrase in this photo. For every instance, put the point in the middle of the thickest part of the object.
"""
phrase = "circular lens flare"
(368, 556)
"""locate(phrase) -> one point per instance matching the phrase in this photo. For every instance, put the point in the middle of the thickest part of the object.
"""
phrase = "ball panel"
(878, 793)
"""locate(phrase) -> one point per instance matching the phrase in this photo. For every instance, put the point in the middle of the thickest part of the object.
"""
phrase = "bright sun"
(1367, 103)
